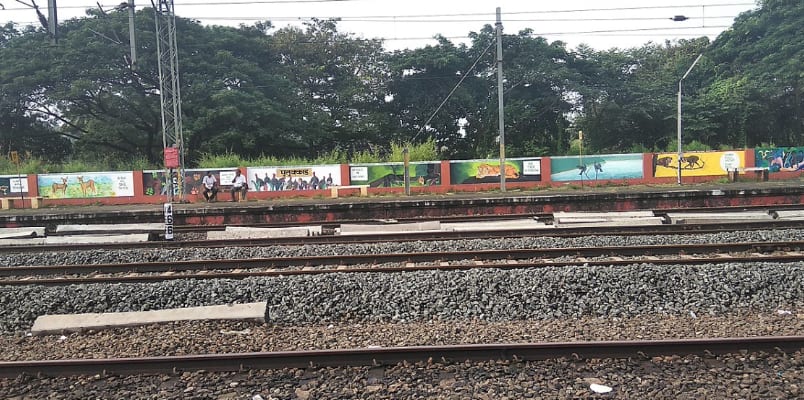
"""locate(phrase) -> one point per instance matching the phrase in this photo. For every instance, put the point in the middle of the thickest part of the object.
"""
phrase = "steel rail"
(509, 254)
(394, 355)
(462, 267)
(417, 236)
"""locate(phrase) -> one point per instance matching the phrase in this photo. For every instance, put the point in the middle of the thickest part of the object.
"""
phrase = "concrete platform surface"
(241, 232)
(577, 223)
(611, 214)
(26, 232)
(514, 224)
(713, 218)
(144, 227)
(90, 239)
(790, 215)
(361, 229)
(730, 215)
(22, 242)
(50, 324)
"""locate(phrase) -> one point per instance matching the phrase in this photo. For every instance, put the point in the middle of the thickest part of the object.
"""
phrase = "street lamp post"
(680, 151)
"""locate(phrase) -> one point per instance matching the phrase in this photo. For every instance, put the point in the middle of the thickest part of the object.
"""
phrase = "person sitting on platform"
(210, 187)
(239, 186)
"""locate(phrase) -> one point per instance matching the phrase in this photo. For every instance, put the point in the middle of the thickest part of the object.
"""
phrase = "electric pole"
(52, 20)
(499, 28)
(170, 96)
(132, 38)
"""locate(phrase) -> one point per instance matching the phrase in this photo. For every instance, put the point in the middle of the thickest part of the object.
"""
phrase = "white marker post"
(168, 221)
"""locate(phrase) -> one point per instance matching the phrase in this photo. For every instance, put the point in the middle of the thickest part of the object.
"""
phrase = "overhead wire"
(255, 2)
(356, 19)
(246, 2)
(399, 19)
(457, 85)
(611, 32)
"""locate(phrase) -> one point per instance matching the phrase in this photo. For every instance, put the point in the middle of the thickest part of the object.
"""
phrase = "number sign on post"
(168, 221)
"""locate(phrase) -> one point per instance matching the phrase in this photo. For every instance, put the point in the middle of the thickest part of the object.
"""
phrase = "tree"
(234, 98)
(19, 131)
(758, 63)
(340, 81)
(421, 79)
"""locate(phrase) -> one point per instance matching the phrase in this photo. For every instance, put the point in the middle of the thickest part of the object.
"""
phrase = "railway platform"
(514, 202)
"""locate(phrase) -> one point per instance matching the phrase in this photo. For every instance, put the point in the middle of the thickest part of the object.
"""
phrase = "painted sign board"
(710, 163)
(488, 171)
(86, 185)
(277, 178)
(393, 174)
(596, 167)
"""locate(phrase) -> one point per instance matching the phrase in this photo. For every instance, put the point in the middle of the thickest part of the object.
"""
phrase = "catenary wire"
(581, 10)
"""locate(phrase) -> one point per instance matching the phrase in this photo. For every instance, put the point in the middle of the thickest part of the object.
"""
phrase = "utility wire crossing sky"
(414, 23)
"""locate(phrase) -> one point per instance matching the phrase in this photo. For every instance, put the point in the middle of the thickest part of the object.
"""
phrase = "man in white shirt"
(239, 185)
(210, 187)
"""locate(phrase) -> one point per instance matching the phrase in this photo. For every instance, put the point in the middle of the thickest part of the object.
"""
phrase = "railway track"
(35, 373)
(415, 236)
(395, 355)
(310, 265)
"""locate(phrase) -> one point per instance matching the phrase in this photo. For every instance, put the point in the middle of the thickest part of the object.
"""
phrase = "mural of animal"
(429, 179)
(87, 186)
(4, 190)
(664, 162)
(691, 162)
(484, 170)
(60, 187)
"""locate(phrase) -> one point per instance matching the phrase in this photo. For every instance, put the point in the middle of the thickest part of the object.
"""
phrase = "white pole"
(131, 35)
(678, 117)
(678, 138)
(499, 29)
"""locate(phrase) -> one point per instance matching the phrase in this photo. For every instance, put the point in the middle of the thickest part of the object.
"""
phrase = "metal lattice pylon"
(169, 90)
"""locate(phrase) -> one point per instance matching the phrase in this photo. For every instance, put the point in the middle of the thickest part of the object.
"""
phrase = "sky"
(602, 24)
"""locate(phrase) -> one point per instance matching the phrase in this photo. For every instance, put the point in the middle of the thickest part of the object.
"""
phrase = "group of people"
(211, 188)
(240, 185)
(288, 183)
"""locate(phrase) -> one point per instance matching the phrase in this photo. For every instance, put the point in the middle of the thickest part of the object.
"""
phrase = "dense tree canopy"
(255, 90)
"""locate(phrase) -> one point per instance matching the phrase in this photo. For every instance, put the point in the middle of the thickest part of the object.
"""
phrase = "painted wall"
(86, 185)
(596, 167)
(713, 163)
(257, 176)
(13, 185)
(488, 171)
(155, 184)
(778, 159)
(131, 187)
(385, 175)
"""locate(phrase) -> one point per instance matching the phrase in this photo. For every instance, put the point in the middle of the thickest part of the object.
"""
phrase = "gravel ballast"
(106, 256)
(490, 294)
(733, 376)
(211, 337)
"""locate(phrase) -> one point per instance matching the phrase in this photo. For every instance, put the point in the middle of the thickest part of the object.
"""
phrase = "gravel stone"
(483, 294)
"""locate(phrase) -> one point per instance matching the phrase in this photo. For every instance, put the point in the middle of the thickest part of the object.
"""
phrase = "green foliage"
(696, 146)
(226, 160)
(693, 145)
(316, 95)
(34, 165)
(575, 148)
(334, 156)
(27, 166)
(640, 148)
(425, 151)
(367, 157)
